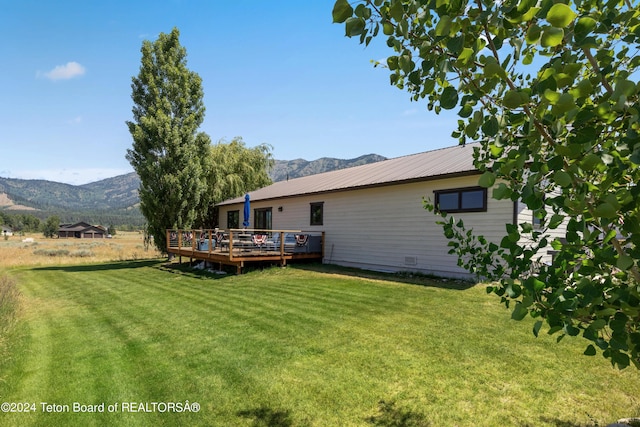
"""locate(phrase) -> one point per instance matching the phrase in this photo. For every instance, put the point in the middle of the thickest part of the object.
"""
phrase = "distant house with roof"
(82, 230)
(6, 231)
(373, 215)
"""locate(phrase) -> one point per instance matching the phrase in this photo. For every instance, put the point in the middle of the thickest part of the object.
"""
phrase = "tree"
(547, 89)
(168, 153)
(234, 170)
(51, 226)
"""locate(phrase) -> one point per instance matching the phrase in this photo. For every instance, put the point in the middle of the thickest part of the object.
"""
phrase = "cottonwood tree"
(549, 89)
(51, 226)
(168, 153)
(234, 169)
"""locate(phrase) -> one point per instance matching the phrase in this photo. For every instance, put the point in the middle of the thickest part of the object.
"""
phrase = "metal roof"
(457, 160)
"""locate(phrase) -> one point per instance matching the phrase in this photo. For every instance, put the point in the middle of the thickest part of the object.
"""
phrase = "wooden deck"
(240, 247)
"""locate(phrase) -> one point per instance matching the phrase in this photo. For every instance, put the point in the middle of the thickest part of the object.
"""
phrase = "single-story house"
(82, 230)
(373, 215)
(7, 231)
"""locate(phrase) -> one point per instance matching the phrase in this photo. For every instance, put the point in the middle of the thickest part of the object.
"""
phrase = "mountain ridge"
(117, 198)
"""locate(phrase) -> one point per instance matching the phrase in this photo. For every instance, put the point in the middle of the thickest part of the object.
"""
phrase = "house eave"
(359, 187)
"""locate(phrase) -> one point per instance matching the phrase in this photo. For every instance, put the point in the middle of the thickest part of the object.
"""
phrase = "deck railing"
(245, 242)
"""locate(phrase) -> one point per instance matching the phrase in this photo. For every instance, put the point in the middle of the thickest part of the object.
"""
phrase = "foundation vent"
(410, 260)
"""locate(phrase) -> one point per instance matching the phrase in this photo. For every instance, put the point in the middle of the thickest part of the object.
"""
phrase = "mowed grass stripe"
(89, 359)
(269, 325)
(116, 343)
(300, 347)
(257, 312)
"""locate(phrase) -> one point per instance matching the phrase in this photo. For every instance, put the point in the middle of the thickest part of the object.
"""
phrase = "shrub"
(51, 252)
(82, 253)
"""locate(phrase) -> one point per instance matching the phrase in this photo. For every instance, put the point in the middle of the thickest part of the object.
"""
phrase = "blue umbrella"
(247, 210)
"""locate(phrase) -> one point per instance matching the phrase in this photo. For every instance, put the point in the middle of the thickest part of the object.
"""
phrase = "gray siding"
(525, 215)
(385, 228)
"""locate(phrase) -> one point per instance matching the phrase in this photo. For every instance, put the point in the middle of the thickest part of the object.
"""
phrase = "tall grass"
(123, 246)
(9, 309)
(9, 303)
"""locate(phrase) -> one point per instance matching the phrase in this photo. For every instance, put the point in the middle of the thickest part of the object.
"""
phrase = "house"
(7, 231)
(82, 230)
(373, 215)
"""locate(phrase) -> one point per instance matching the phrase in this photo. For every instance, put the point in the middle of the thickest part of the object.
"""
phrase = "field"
(34, 249)
(134, 340)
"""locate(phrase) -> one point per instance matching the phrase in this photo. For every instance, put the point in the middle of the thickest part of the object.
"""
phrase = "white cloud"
(64, 72)
(410, 112)
(75, 120)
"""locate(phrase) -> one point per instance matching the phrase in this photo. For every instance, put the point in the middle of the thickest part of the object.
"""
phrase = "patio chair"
(259, 240)
(218, 237)
(301, 244)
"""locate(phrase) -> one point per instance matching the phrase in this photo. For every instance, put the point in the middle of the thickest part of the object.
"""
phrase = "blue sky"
(275, 72)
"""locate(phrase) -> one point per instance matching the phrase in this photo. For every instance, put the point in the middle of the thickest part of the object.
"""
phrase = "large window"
(316, 213)
(470, 199)
(233, 219)
(262, 218)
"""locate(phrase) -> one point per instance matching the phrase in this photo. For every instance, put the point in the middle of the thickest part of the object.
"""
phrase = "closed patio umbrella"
(247, 210)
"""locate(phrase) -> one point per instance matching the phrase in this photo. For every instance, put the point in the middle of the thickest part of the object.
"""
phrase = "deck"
(241, 247)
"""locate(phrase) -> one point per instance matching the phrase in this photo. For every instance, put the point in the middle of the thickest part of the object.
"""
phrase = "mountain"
(120, 192)
(289, 169)
(109, 201)
(115, 200)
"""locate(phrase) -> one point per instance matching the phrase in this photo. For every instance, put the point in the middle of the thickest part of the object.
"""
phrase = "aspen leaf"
(556, 220)
(624, 262)
(560, 15)
(491, 127)
(606, 210)
(562, 103)
(341, 11)
(551, 37)
(514, 99)
(487, 179)
(354, 27)
(562, 178)
(583, 27)
(536, 327)
(501, 192)
(590, 351)
(533, 34)
(590, 162)
(443, 26)
(519, 312)
(396, 11)
(449, 98)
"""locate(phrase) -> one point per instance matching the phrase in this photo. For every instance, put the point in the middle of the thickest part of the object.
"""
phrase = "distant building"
(82, 230)
(7, 231)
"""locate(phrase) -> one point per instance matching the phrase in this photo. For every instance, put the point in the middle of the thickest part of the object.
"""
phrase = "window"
(262, 218)
(471, 199)
(316, 213)
(233, 219)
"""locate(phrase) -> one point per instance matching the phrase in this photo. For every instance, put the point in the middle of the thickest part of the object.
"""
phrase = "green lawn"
(291, 347)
